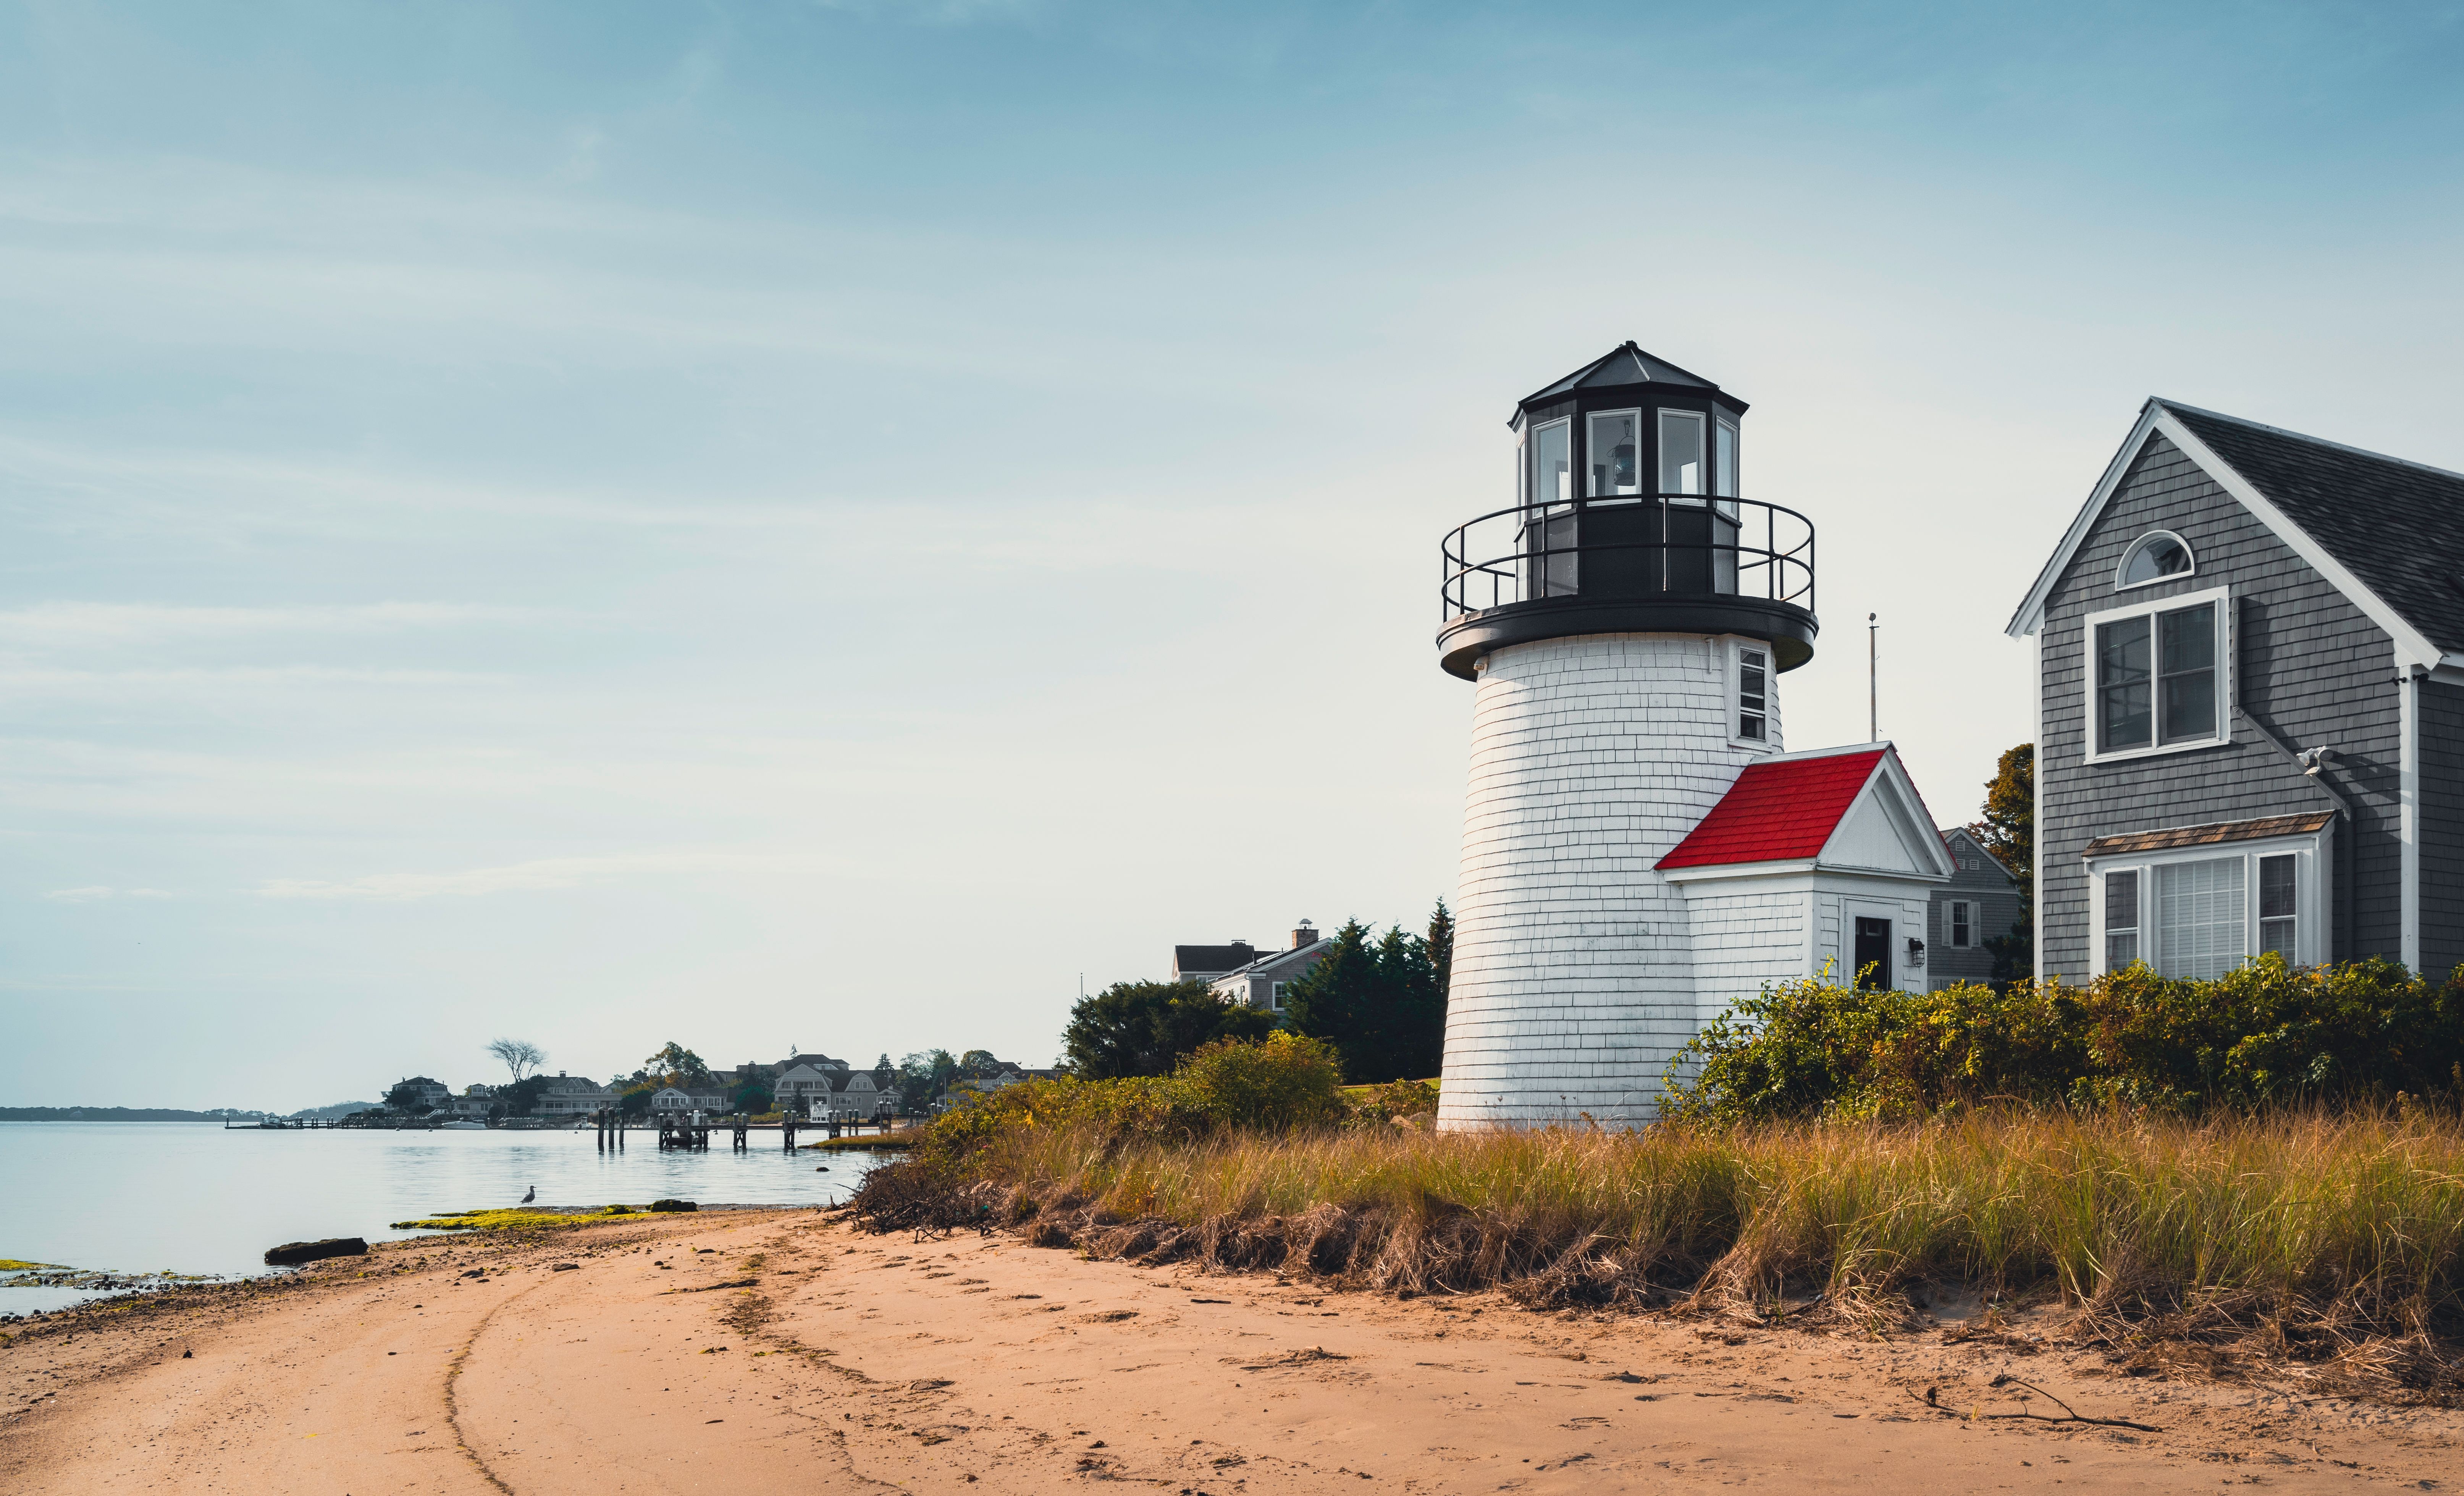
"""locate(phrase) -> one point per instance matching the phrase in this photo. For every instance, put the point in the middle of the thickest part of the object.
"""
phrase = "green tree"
(520, 1056)
(404, 1096)
(675, 1063)
(924, 1075)
(1378, 1004)
(1441, 963)
(2008, 829)
(752, 1097)
(978, 1065)
(517, 1099)
(1144, 1028)
(636, 1102)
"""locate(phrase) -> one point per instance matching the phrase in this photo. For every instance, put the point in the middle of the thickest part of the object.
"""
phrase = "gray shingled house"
(1980, 903)
(2250, 672)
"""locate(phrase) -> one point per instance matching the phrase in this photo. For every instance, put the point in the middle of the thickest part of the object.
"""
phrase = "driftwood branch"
(1933, 1395)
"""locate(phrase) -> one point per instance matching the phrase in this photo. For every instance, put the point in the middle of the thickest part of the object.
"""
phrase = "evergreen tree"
(1144, 1028)
(1380, 1004)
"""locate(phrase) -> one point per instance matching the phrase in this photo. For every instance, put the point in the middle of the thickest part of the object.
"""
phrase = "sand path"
(784, 1347)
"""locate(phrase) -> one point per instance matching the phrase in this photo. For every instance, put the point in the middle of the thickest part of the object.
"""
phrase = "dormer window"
(2158, 556)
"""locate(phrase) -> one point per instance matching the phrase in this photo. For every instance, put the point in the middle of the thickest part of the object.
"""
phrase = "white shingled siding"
(1748, 935)
(1573, 977)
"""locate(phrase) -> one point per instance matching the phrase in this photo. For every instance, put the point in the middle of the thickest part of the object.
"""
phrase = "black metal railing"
(1642, 545)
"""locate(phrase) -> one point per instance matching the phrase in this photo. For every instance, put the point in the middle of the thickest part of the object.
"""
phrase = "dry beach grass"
(2327, 1241)
(736, 1349)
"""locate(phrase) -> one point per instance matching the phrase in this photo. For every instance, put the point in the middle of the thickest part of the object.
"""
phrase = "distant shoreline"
(122, 1115)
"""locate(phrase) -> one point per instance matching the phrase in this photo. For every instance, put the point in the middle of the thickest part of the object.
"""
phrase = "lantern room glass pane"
(1680, 453)
(1552, 465)
(1615, 454)
(1723, 461)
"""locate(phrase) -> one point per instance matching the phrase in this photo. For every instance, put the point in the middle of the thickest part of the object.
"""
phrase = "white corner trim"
(2413, 647)
(2408, 823)
(2031, 615)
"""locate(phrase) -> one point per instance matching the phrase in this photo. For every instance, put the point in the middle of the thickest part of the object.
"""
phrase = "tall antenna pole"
(1873, 679)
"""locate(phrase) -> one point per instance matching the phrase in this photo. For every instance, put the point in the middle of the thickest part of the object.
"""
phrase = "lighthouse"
(1639, 848)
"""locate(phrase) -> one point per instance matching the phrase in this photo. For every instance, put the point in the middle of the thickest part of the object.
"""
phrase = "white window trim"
(2149, 607)
(2139, 545)
(1951, 924)
(1529, 455)
(1731, 660)
(1275, 997)
(1737, 457)
(2314, 867)
(1703, 447)
(1588, 416)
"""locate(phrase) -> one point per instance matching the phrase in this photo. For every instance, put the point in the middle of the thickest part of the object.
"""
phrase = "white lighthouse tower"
(1625, 622)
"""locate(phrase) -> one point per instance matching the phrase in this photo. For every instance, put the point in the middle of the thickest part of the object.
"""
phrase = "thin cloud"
(121, 623)
(80, 895)
(542, 875)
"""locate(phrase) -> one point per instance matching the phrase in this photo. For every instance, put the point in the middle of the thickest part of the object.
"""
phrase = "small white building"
(1811, 863)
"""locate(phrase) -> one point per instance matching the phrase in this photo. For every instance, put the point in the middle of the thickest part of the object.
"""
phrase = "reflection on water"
(180, 1196)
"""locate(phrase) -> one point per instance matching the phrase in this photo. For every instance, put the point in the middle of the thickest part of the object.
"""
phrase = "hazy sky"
(821, 523)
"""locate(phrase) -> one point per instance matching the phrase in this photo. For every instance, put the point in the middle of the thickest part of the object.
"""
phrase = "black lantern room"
(1628, 517)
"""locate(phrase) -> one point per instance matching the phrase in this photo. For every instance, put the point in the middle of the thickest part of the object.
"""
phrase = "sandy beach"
(733, 1351)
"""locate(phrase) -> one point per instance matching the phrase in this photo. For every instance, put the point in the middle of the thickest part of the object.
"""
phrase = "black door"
(1874, 954)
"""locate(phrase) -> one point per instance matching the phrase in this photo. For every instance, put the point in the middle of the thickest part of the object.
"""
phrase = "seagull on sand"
(532, 1196)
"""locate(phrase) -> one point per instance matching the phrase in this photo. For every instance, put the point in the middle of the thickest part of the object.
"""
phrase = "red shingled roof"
(1781, 810)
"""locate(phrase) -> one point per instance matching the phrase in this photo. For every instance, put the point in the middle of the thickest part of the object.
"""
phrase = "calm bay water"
(184, 1196)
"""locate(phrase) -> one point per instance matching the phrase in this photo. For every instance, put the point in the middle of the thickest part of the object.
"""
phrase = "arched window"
(2158, 556)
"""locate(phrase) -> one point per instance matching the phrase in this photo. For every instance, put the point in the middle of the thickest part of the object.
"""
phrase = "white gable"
(1887, 830)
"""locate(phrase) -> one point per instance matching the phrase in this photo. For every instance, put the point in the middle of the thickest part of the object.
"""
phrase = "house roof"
(1845, 808)
(1982, 850)
(1276, 961)
(1623, 365)
(1778, 810)
(1217, 959)
(2396, 525)
(2388, 533)
(2207, 835)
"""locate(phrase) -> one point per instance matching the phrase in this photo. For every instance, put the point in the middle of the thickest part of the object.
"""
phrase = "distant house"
(571, 1096)
(1980, 903)
(474, 1103)
(687, 1096)
(1206, 963)
(1261, 980)
(854, 1096)
(802, 1085)
(427, 1092)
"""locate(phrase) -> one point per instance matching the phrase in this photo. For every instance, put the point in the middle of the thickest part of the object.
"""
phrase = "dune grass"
(2318, 1224)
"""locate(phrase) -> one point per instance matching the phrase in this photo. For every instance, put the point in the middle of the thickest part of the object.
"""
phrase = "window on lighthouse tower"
(1752, 675)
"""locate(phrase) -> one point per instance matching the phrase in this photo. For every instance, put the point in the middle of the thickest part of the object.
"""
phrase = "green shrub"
(1287, 1080)
(2263, 1035)
(1279, 1082)
(1375, 1106)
